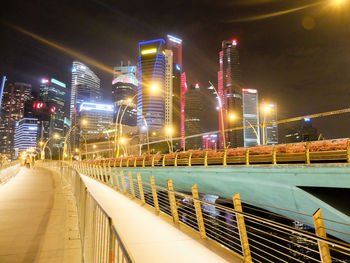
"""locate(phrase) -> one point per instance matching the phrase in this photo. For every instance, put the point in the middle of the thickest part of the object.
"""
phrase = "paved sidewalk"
(151, 238)
(38, 219)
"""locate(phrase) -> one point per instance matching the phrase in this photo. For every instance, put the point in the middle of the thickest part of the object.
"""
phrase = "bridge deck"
(151, 238)
(38, 219)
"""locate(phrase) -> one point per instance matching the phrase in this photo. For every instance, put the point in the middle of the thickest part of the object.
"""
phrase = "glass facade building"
(14, 97)
(193, 124)
(85, 86)
(25, 135)
(230, 92)
(250, 117)
(271, 131)
(151, 84)
(99, 118)
(124, 87)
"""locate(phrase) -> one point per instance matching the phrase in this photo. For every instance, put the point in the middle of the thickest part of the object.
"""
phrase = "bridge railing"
(298, 153)
(100, 240)
(254, 238)
(6, 171)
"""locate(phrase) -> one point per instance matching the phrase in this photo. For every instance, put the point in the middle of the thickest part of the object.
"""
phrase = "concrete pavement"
(38, 219)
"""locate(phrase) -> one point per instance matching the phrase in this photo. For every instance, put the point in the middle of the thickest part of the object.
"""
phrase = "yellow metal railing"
(246, 235)
(334, 151)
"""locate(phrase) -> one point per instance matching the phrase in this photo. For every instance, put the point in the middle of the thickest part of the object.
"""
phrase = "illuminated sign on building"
(59, 83)
(250, 90)
(96, 107)
(38, 105)
(148, 51)
(125, 79)
(174, 39)
(45, 81)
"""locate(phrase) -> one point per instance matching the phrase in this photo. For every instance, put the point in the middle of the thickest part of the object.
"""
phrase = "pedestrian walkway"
(38, 219)
(152, 238)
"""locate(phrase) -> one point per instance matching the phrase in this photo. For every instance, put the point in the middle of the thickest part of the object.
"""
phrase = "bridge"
(173, 213)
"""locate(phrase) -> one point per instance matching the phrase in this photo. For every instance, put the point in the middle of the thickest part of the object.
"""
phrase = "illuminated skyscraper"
(251, 117)
(99, 117)
(168, 87)
(177, 102)
(193, 110)
(54, 95)
(229, 88)
(151, 84)
(124, 87)
(26, 135)
(85, 86)
(14, 98)
(271, 131)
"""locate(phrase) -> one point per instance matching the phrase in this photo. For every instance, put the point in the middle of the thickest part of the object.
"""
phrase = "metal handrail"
(280, 241)
(95, 223)
(305, 152)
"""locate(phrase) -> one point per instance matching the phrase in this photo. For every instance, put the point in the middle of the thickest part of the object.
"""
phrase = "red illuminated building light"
(234, 42)
(53, 109)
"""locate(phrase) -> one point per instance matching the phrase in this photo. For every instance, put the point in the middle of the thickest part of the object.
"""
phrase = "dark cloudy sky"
(299, 60)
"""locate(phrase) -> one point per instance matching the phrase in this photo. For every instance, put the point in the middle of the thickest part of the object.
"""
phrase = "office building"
(271, 127)
(250, 117)
(230, 92)
(302, 131)
(14, 97)
(85, 86)
(124, 88)
(210, 142)
(99, 118)
(168, 87)
(193, 110)
(151, 85)
(25, 135)
(173, 83)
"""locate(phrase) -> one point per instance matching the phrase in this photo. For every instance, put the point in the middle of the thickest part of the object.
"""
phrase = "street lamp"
(233, 117)
(44, 145)
(169, 131)
(221, 114)
(265, 110)
(83, 122)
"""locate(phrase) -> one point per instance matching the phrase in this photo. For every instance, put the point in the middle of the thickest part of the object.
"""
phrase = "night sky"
(300, 60)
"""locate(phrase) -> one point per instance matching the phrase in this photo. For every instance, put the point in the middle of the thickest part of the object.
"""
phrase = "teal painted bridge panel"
(276, 186)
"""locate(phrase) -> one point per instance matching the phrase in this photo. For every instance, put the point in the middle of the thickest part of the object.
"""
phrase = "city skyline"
(291, 75)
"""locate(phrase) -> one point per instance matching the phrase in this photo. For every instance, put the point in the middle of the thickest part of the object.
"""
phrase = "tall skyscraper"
(53, 93)
(251, 117)
(168, 87)
(174, 72)
(14, 98)
(229, 89)
(85, 86)
(271, 131)
(99, 118)
(124, 87)
(193, 110)
(25, 135)
(151, 84)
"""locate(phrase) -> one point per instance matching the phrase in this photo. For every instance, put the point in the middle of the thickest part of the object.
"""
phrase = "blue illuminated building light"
(307, 119)
(178, 67)
(96, 107)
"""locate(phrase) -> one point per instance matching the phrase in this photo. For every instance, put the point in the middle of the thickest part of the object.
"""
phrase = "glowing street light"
(169, 131)
(76, 150)
(154, 88)
(84, 122)
(232, 116)
(266, 108)
(122, 140)
(94, 146)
